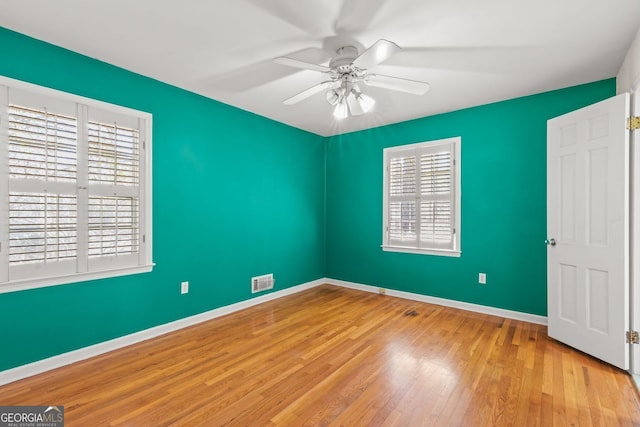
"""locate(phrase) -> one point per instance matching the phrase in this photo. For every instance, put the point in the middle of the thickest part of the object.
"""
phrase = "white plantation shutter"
(113, 189)
(73, 188)
(113, 226)
(42, 144)
(421, 207)
(436, 196)
(42, 227)
(114, 152)
(436, 227)
(42, 175)
(402, 191)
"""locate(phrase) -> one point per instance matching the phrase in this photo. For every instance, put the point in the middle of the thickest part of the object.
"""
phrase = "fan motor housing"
(342, 62)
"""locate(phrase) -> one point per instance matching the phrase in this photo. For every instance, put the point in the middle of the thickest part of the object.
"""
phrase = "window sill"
(440, 252)
(21, 285)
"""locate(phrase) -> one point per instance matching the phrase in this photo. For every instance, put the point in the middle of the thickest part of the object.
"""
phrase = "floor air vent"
(262, 283)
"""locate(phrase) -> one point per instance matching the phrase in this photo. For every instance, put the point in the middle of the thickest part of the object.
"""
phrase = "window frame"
(144, 262)
(391, 152)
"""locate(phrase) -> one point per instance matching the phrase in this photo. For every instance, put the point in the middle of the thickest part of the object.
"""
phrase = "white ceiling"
(471, 52)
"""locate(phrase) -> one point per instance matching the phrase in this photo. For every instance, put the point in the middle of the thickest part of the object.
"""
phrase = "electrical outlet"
(382, 291)
(482, 278)
(184, 287)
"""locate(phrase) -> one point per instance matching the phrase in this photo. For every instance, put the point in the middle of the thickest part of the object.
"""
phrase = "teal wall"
(237, 195)
(234, 195)
(503, 202)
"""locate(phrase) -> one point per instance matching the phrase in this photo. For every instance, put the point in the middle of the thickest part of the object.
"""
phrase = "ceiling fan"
(346, 71)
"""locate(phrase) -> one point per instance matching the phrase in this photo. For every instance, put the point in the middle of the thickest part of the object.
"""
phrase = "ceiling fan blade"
(305, 16)
(249, 77)
(296, 63)
(477, 59)
(311, 91)
(379, 52)
(357, 15)
(259, 73)
(396, 83)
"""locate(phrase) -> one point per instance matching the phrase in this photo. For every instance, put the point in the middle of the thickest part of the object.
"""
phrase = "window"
(74, 188)
(422, 198)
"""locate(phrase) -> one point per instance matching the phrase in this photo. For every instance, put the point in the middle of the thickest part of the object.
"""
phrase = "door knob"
(550, 242)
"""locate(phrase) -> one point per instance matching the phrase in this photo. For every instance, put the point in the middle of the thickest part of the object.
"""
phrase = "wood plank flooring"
(334, 356)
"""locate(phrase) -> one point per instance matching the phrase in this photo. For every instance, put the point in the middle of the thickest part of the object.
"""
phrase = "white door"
(588, 229)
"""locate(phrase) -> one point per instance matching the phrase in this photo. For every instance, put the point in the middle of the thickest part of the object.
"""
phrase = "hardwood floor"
(334, 356)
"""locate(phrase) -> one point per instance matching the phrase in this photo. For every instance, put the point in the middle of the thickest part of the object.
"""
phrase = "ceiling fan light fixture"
(349, 68)
(365, 101)
(341, 112)
(334, 95)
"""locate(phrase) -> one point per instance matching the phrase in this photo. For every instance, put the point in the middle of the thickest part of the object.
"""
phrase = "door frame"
(634, 298)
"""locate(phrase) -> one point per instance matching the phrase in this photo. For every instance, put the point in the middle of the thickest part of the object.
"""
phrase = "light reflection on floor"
(405, 367)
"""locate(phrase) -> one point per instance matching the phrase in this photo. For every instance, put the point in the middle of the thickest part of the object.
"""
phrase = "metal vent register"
(262, 283)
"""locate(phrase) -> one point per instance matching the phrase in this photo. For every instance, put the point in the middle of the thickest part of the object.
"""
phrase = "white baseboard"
(517, 315)
(636, 381)
(64, 359)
